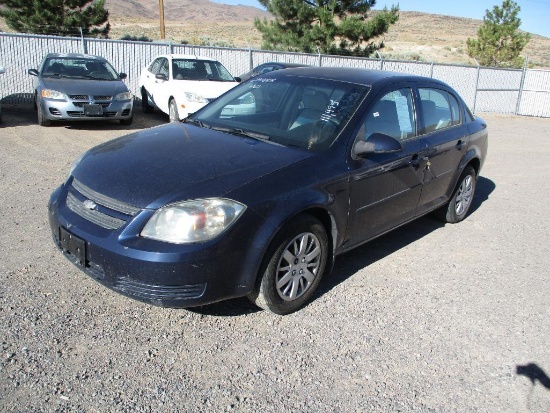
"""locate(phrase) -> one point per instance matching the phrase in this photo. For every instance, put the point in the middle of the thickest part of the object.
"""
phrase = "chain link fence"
(512, 91)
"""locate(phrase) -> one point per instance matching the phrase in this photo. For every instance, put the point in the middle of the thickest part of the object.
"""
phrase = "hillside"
(416, 36)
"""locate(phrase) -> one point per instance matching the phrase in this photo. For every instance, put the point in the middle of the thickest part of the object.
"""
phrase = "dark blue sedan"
(257, 193)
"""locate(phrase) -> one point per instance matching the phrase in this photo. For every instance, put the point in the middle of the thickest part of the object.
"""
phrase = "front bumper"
(158, 273)
(84, 110)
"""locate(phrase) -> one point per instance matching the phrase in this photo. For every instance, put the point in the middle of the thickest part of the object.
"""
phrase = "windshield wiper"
(246, 134)
(196, 122)
(54, 75)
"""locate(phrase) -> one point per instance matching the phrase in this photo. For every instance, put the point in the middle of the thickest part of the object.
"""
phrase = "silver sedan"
(80, 87)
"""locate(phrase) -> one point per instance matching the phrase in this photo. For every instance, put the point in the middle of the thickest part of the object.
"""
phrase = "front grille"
(105, 200)
(158, 292)
(79, 97)
(81, 104)
(77, 114)
(92, 215)
(103, 97)
(103, 219)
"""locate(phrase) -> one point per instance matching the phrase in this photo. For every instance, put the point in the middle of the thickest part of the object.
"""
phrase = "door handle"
(459, 144)
(416, 160)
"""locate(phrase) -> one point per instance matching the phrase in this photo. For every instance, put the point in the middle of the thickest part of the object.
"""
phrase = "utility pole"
(161, 13)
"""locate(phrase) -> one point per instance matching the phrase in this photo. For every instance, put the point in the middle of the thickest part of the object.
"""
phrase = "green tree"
(499, 42)
(57, 17)
(340, 27)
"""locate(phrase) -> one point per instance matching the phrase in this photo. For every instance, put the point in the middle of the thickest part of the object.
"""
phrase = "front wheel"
(457, 208)
(145, 106)
(173, 111)
(292, 267)
(42, 120)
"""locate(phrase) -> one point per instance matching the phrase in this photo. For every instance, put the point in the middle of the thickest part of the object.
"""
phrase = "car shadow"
(351, 262)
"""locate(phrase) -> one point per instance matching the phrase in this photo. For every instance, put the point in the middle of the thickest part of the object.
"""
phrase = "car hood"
(174, 162)
(207, 88)
(85, 86)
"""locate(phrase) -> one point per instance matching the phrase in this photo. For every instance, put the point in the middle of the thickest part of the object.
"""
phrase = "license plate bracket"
(72, 245)
(93, 110)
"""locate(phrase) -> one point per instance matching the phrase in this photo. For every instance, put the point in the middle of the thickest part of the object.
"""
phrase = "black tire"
(457, 208)
(173, 113)
(42, 120)
(282, 286)
(145, 106)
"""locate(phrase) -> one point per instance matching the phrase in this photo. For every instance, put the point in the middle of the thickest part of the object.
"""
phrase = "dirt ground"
(429, 318)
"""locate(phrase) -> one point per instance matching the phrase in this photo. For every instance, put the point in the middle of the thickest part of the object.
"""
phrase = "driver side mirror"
(377, 143)
(160, 76)
(33, 72)
(122, 76)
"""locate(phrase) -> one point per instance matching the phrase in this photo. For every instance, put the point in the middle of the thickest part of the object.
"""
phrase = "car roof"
(285, 64)
(366, 77)
(74, 56)
(185, 56)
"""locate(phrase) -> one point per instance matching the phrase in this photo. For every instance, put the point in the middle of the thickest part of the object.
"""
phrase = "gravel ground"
(429, 318)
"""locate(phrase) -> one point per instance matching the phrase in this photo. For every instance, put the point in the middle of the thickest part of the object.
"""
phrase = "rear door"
(446, 135)
(385, 188)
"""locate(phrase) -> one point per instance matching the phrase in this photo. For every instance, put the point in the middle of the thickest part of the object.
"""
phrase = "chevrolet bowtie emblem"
(89, 204)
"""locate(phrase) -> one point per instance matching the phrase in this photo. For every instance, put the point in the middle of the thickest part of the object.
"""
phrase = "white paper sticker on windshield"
(403, 114)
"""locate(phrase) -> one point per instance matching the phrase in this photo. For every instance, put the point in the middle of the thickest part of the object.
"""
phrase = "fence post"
(251, 58)
(432, 70)
(522, 84)
(477, 85)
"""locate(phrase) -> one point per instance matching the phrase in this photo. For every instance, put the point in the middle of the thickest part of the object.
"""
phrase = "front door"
(385, 188)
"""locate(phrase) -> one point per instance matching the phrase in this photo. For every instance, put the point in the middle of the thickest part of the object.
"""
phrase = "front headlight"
(193, 97)
(192, 221)
(53, 94)
(123, 96)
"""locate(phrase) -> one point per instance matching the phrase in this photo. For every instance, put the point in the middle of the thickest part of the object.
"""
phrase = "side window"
(163, 69)
(436, 111)
(392, 115)
(154, 67)
(455, 110)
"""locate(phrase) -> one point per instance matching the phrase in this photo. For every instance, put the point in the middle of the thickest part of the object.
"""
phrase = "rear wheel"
(173, 111)
(459, 204)
(293, 267)
(145, 106)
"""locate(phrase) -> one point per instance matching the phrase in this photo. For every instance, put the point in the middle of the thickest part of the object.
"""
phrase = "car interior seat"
(314, 104)
(384, 120)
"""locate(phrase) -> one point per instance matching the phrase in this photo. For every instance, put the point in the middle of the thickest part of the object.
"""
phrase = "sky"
(534, 14)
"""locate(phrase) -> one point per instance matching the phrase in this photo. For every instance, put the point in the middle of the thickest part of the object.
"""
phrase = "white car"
(179, 85)
(2, 71)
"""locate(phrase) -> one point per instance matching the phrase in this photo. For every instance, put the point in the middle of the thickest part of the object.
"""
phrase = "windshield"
(79, 68)
(302, 112)
(192, 69)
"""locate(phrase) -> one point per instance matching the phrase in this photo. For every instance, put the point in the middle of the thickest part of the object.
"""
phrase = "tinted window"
(455, 110)
(392, 115)
(436, 112)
